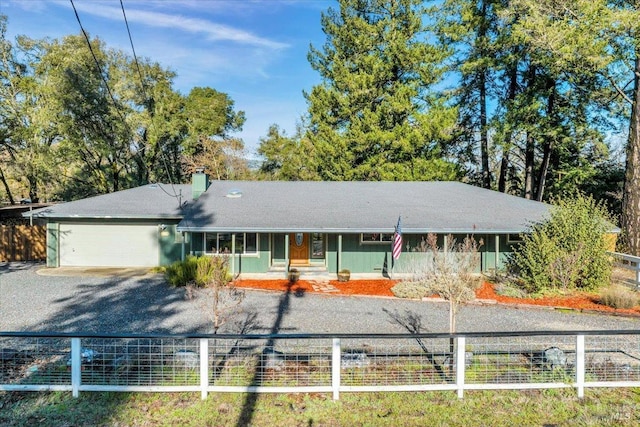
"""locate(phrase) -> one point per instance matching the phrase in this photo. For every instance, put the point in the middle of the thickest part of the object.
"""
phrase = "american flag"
(397, 242)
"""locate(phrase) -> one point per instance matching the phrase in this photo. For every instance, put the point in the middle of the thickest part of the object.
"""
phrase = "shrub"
(410, 290)
(197, 271)
(619, 296)
(182, 273)
(567, 251)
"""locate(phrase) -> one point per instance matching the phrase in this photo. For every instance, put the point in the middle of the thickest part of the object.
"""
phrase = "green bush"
(567, 251)
(410, 290)
(618, 296)
(198, 271)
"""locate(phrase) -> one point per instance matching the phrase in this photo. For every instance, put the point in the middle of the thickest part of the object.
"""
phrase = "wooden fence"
(23, 243)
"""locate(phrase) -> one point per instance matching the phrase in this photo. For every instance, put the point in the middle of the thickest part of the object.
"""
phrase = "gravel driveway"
(146, 304)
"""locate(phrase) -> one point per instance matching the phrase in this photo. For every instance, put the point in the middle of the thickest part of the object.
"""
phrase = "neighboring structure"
(21, 239)
(271, 226)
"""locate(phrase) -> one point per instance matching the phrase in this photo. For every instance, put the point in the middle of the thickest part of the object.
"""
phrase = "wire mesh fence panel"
(34, 361)
(520, 359)
(285, 362)
(612, 358)
(140, 362)
(392, 362)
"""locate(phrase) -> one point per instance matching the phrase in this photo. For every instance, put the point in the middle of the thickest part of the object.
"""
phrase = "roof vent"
(234, 194)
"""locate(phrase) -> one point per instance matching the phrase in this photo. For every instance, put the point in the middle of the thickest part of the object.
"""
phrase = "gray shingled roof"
(145, 202)
(278, 206)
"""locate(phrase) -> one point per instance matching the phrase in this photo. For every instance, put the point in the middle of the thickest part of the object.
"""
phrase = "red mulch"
(382, 287)
(378, 287)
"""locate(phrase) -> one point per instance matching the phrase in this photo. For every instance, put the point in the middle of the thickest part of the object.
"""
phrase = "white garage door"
(90, 245)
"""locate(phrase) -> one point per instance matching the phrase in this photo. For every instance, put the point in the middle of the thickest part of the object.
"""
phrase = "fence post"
(580, 366)
(204, 367)
(460, 365)
(335, 368)
(76, 366)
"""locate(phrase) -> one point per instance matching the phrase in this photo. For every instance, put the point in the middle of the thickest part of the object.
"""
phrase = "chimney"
(199, 182)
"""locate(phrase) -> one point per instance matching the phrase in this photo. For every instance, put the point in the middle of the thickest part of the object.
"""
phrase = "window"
(368, 238)
(514, 238)
(222, 243)
(317, 245)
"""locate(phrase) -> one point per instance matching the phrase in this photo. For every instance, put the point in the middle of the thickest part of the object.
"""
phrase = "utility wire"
(95, 58)
(133, 49)
(115, 103)
(146, 97)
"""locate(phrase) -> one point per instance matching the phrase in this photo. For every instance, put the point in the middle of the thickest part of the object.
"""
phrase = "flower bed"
(382, 287)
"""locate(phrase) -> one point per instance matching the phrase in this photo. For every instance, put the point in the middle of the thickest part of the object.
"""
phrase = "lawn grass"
(620, 407)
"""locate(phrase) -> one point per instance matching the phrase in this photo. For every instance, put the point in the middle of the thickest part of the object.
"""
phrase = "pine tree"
(373, 116)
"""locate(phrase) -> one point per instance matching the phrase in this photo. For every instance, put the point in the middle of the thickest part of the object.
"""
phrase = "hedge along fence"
(325, 363)
(23, 242)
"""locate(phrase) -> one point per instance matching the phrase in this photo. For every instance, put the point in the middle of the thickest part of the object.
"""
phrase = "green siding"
(277, 248)
(170, 245)
(52, 244)
(358, 257)
(241, 263)
(252, 263)
(376, 257)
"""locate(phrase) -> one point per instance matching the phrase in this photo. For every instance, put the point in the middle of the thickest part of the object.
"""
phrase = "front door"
(299, 248)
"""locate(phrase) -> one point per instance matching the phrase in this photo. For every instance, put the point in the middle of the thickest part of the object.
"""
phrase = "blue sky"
(254, 50)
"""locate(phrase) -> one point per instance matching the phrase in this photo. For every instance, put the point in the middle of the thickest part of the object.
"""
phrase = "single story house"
(268, 227)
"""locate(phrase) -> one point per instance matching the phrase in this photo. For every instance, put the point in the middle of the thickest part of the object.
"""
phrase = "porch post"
(497, 251)
(233, 254)
(286, 249)
(184, 246)
(339, 252)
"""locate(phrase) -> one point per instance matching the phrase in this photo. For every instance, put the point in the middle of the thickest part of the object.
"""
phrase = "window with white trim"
(221, 243)
(317, 245)
(514, 238)
(371, 238)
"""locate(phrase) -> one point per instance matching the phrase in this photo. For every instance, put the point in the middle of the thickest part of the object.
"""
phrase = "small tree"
(568, 250)
(219, 297)
(453, 275)
(449, 272)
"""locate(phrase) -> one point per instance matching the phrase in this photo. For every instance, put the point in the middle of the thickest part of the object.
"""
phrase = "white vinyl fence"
(319, 362)
(627, 262)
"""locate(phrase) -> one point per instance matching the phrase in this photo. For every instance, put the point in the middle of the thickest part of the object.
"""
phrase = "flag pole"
(396, 247)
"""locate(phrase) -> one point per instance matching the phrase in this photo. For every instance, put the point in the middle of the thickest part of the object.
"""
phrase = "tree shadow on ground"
(125, 305)
(8, 267)
(412, 322)
(249, 405)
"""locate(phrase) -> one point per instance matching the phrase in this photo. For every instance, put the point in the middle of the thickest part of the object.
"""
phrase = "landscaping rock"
(354, 360)
(272, 359)
(186, 358)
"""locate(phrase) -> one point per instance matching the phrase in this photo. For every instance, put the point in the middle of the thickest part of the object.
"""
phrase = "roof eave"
(405, 230)
(75, 216)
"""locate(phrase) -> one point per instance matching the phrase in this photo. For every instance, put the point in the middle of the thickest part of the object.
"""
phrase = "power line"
(146, 97)
(95, 58)
(115, 103)
(133, 49)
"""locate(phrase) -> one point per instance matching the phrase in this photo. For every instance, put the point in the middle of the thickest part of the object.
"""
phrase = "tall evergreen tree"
(595, 44)
(373, 116)
(471, 28)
